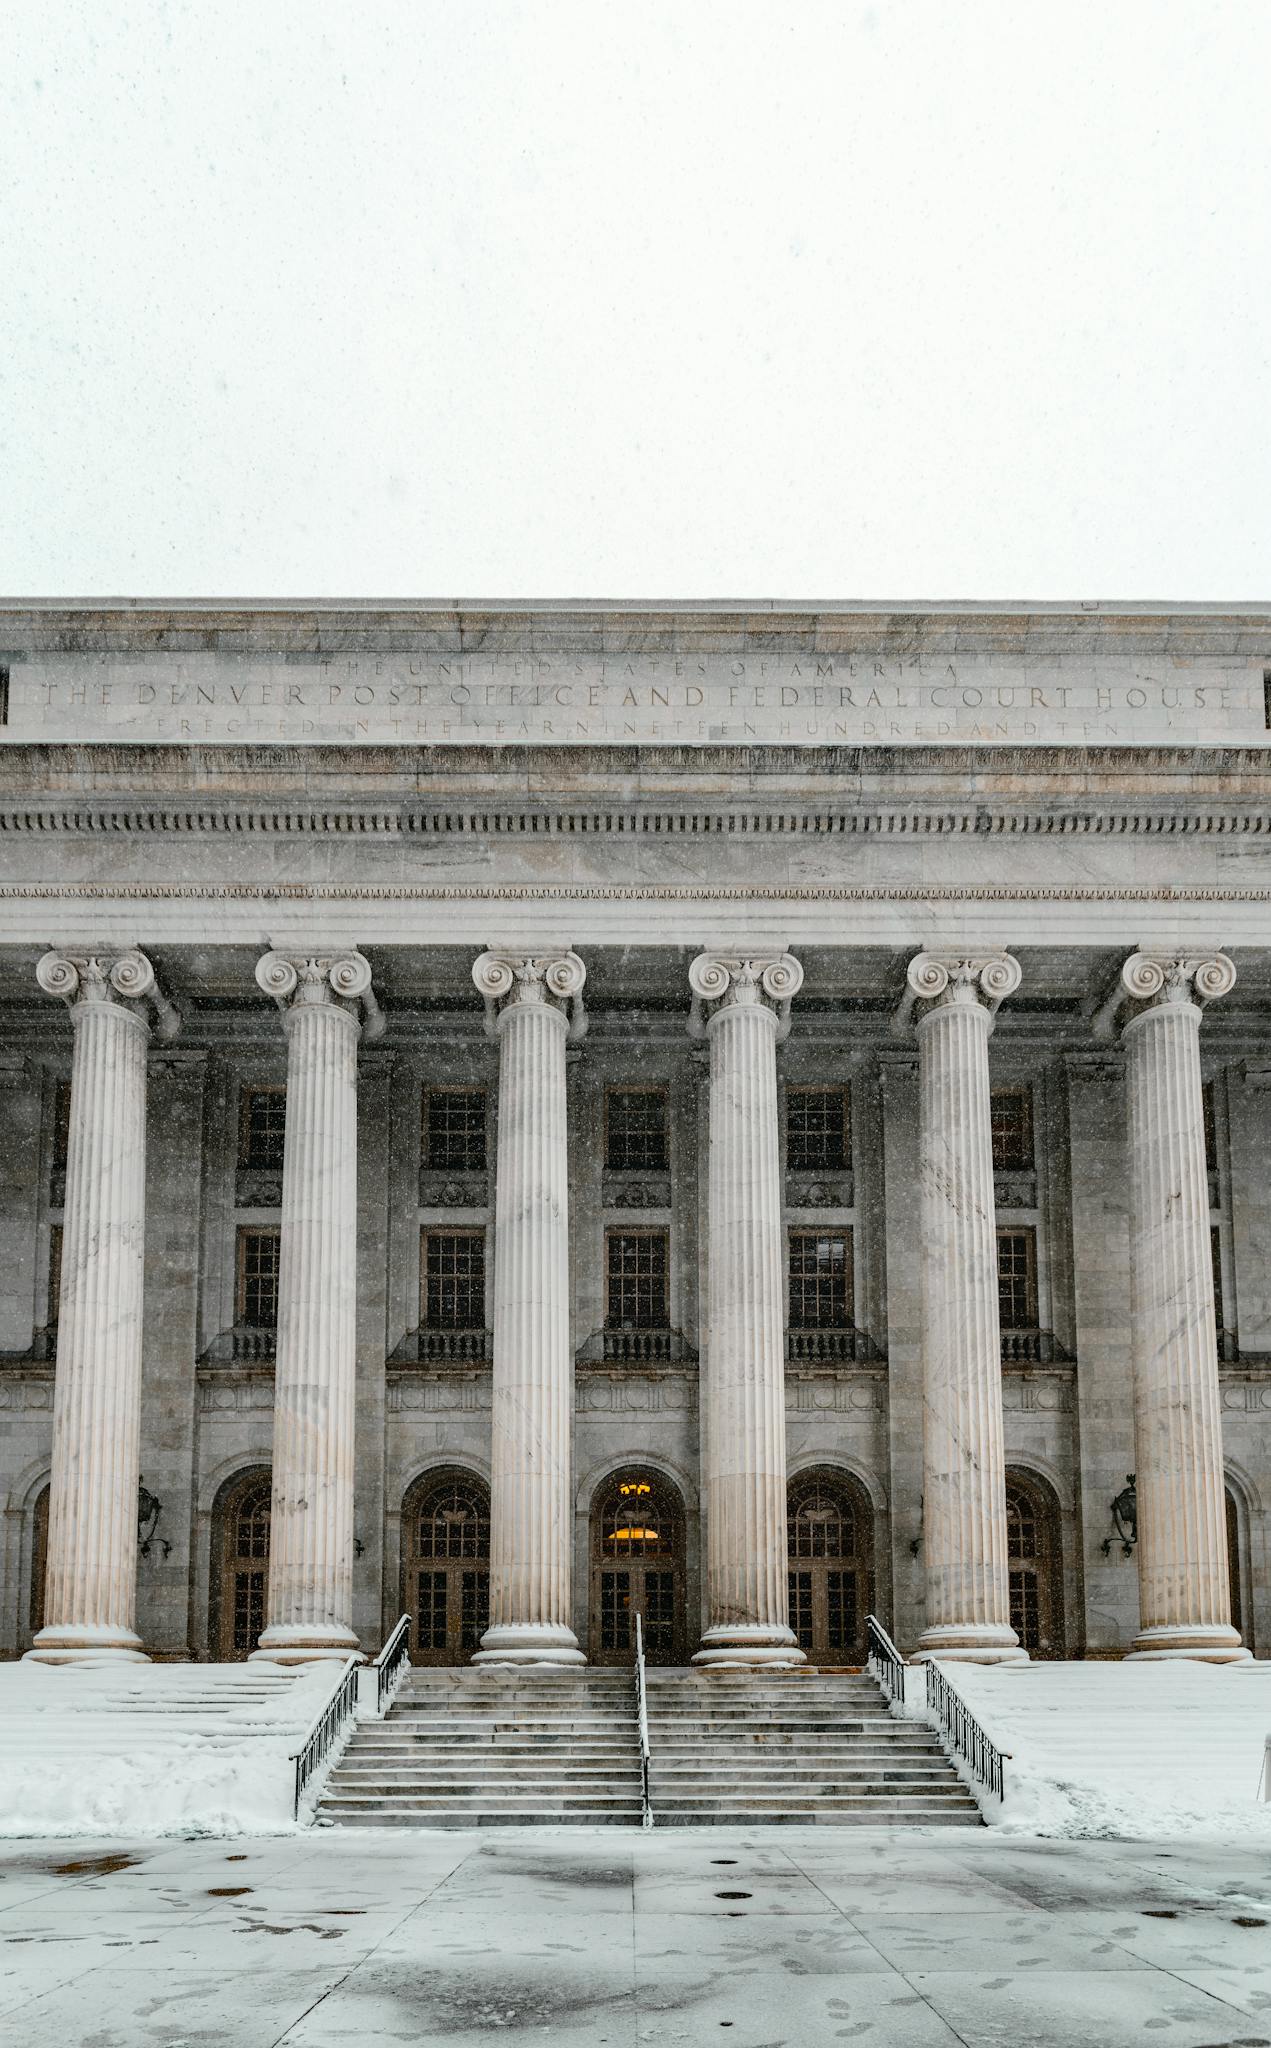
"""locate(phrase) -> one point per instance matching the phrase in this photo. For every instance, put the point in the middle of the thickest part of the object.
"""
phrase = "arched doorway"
(1235, 1563)
(240, 1564)
(830, 1546)
(1034, 1556)
(637, 1567)
(39, 1558)
(446, 1566)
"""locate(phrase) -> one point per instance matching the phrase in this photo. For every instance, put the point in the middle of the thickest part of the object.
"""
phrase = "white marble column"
(968, 1614)
(91, 1585)
(741, 1007)
(1184, 1592)
(533, 1006)
(311, 1531)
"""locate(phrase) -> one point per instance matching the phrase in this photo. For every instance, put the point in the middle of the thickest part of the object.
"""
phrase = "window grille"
(1211, 1128)
(454, 1521)
(637, 1280)
(454, 1280)
(262, 1123)
(258, 1255)
(635, 1130)
(637, 1521)
(818, 1130)
(455, 1129)
(55, 1272)
(1215, 1256)
(1017, 1279)
(61, 1125)
(1011, 1114)
(820, 1280)
(249, 1554)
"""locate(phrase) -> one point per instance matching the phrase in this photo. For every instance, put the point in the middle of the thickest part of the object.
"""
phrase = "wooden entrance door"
(831, 1564)
(446, 1567)
(241, 1580)
(637, 1568)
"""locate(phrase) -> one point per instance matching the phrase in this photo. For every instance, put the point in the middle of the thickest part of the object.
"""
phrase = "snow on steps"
(1124, 1749)
(152, 1749)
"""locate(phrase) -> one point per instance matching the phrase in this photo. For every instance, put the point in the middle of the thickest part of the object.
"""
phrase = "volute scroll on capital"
(720, 981)
(127, 980)
(548, 980)
(945, 979)
(342, 979)
(1154, 980)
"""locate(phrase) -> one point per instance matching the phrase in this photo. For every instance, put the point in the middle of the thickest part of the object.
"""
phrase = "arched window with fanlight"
(446, 1566)
(830, 1546)
(240, 1564)
(1034, 1561)
(637, 1568)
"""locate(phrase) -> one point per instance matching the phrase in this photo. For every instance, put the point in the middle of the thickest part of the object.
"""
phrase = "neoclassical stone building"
(529, 1115)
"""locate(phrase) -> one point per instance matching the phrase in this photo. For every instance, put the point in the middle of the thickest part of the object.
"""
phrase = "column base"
(85, 1643)
(297, 1643)
(969, 1643)
(759, 1646)
(1205, 1644)
(543, 1643)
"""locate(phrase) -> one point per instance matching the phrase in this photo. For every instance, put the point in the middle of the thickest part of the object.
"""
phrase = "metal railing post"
(642, 1719)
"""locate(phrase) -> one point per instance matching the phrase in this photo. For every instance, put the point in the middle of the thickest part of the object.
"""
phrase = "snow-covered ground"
(610, 1938)
(1123, 1749)
(152, 1749)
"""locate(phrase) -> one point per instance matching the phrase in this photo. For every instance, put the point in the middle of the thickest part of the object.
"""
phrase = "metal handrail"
(885, 1660)
(340, 1709)
(393, 1659)
(642, 1717)
(964, 1734)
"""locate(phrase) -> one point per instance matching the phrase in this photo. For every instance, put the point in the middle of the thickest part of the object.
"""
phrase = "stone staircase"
(797, 1746)
(492, 1748)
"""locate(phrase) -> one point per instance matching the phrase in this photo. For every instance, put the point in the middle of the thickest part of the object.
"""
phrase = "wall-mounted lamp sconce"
(1125, 1520)
(359, 1548)
(149, 1509)
(916, 1545)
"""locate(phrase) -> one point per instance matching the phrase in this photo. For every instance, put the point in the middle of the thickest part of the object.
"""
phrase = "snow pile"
(152, 1749)
(1113, 1749)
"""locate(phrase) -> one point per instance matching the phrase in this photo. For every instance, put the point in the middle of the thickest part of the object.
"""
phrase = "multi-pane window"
(258, 1252)
(55, 1271)
(61, 1125)
(453, 1280)
(1215, 1254)
(820, 1279)
(1011, 1111)
(818, 1130)
(636, 1266)
(635, 1130)
(1017, 1279)
(1211, 1128)
(262, 1121)
(454, 1129)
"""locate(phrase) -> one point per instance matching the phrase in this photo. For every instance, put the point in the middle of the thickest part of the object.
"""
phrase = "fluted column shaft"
(1184, 1589)
(964, 1474)
(311, 1528)
(743, 1392)
(91, 1583)
(533, 1377)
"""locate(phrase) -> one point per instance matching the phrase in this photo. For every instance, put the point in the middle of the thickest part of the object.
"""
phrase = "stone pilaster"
(311, 1535)
(1184, 1596)
(91, 1586)
(967, 1608)
(741, 1007)
(533, 1006)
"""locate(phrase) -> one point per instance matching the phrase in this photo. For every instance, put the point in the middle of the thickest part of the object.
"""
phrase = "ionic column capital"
(303, 980)
(1159, 979)
(125, 980)
(954, 979)
(510, 981)
(722, 981)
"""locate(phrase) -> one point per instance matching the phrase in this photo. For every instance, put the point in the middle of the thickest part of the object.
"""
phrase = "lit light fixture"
(635, 1536)
(1125, 1520)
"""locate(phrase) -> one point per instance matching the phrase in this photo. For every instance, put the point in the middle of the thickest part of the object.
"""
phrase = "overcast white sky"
(390, 298)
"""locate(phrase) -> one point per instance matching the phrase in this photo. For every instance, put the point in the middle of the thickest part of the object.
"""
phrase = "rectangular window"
(818, 1130)
(261, 1125)
(1215, 1254)
(55, 1273)
(820, 1279)
(1011, 1111)
(454, 1129)
(1017, 1279)
(1211, 1128)
(258, 1278)
(454, 1280)
(635, 1130)
(61, 1125)
(636, 1268)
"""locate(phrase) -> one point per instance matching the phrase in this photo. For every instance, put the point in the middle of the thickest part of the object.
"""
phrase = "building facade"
(534, 1115)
